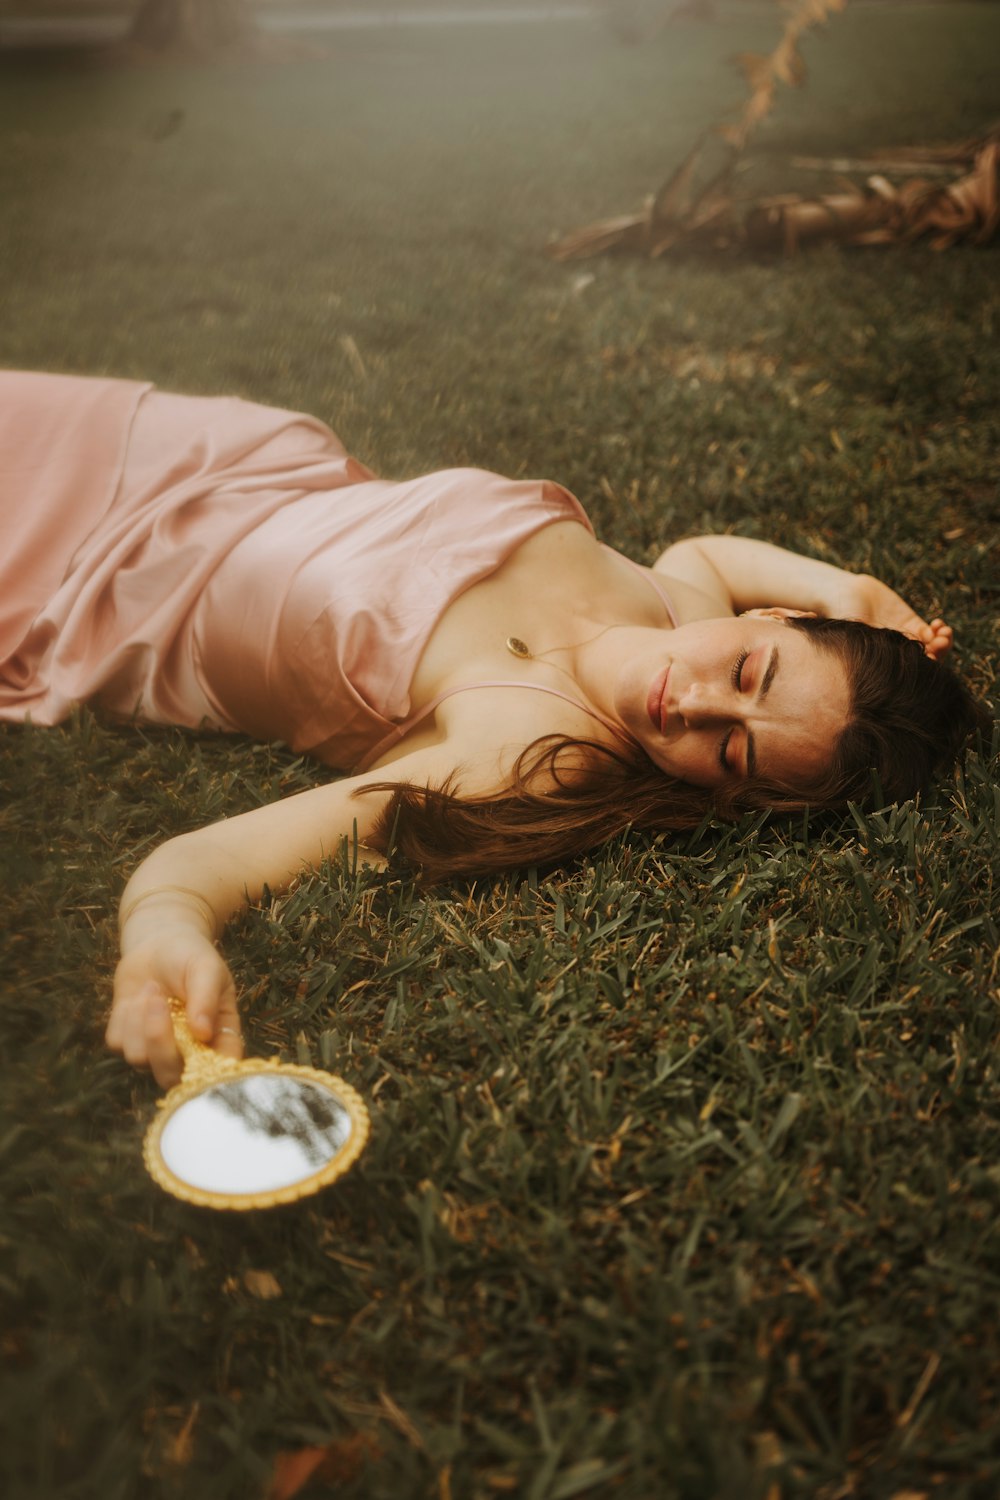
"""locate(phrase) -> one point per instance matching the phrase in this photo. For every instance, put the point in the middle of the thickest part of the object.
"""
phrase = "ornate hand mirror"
(251, 1134)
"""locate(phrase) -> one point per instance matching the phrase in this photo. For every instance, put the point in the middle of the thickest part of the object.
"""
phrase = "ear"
(778, 612)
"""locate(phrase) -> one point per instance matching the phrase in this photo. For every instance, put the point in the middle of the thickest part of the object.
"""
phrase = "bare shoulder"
(692, 572)
(693, 593)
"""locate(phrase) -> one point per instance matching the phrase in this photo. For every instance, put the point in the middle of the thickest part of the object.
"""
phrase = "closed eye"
(762, 692)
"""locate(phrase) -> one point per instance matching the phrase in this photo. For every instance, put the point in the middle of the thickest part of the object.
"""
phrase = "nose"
(703, 705)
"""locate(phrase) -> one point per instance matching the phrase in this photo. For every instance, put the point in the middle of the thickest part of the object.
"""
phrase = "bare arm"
(180, 898)
(746, 574)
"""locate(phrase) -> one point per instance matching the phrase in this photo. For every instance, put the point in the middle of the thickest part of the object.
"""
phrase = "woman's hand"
(176, 960)
(940, 640)
(867, 598)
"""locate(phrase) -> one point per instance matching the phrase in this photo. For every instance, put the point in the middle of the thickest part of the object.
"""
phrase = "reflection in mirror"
(254, 1134)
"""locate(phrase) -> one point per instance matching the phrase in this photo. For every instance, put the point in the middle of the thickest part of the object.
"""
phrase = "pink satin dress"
(206, 561)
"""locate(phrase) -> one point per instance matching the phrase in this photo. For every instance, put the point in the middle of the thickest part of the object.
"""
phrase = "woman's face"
(719, 700)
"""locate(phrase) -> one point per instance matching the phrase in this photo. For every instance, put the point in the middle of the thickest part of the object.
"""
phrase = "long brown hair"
(909, 716)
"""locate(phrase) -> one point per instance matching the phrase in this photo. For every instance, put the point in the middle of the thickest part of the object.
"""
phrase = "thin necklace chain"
(519, 648)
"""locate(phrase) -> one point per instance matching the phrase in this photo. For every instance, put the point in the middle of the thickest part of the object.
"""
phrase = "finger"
(228, 1038)
(126, 1031)
(113, 1030)
(228, 1041)
(163, 1055)
(212, 1008)
(123, 999)
(208, 987)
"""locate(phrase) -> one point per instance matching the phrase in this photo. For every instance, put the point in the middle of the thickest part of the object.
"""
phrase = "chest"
(558, 587)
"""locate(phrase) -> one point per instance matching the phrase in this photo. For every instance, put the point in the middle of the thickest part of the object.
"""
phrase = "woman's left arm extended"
(746, 574)
(181, 896)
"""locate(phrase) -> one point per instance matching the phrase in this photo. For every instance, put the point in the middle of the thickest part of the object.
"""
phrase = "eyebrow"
(768, 676)
(762, 692)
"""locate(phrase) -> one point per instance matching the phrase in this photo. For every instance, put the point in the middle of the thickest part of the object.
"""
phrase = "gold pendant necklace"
(523, 651)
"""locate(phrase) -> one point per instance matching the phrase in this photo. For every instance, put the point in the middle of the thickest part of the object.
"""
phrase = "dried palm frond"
(697, 204)
(880, 213)
(696, 199)
(938, 161)
(782, 65)
(877, 213)
(956, 152)
(626, 232)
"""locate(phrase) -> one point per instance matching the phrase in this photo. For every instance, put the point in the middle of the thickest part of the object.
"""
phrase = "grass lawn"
(683, 1178)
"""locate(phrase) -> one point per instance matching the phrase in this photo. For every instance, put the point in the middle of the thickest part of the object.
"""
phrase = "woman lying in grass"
(502, 688)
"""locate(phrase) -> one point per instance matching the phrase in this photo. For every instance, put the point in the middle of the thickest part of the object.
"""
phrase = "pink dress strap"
(535, 687)
(649, 577)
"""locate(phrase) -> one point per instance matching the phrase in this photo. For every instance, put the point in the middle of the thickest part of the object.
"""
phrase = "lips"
(654, 700)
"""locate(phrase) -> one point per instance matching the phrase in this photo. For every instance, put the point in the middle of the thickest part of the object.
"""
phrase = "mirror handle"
(198, 1058)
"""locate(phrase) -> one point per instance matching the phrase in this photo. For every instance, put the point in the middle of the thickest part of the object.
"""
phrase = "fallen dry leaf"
(262, 1284)
(338, 1463)
(292, 1470)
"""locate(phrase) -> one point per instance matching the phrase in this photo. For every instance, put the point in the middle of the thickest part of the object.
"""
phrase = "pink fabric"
(199, 560)
(62, 444)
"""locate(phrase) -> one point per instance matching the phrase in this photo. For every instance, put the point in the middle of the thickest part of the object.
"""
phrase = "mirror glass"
(254, 1134)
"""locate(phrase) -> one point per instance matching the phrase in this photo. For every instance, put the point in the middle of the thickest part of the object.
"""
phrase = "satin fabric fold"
(208, 561)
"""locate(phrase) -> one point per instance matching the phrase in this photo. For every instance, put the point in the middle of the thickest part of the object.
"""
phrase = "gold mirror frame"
(204, 1068)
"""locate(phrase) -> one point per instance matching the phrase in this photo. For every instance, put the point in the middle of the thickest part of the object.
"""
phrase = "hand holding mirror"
(251, 1134)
